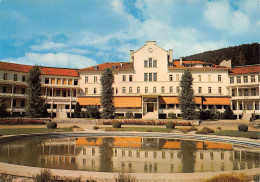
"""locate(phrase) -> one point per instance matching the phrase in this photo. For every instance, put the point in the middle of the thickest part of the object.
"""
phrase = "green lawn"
(15, 131)
(139, 129)
(235, 133)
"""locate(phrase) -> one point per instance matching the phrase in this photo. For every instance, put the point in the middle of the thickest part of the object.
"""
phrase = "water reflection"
(130, 154)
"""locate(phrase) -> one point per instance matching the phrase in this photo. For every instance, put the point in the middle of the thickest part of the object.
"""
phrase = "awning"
(89, 101)
(216, 101)
(174, 100)
(128, 101)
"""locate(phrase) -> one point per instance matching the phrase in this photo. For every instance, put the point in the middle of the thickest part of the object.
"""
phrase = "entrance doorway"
(150, 107)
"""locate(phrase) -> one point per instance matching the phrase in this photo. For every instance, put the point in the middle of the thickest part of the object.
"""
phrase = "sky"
(83, 33)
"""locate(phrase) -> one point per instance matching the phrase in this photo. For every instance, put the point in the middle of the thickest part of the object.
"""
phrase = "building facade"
(147, 85)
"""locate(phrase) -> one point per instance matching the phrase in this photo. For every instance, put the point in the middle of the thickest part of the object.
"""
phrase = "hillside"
(245, 54)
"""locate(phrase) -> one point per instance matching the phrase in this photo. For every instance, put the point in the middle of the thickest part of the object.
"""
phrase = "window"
(253, 92)
(95, 79)
(209, 90)
(130, 90)
(238, 79)
(95, 91)
(123, 90)
(155, 77)
(116, 90)
(15, 77)
(219, 78)
(146, 90)
(86, 79)
(154, 63)
(231, 80)
(145, 63)
(5, 76)
(199, 78)
(138, 90)
(162, 89)
(253, 78)
(124, 78)
(22, 103)
(23, 78)
(4, 89)
(23, 90)
(130, 78)
(15, 89)
(145, 77)
(258, 78)
(209, 78)
(177, 77)
(150, 77)
(245, 92)
(245, 79)
(63, 93)
(75, 82)
(233, 93)
(219, 90)
(154, 89)
(14, 103)
(47, 80)
(170, 78)
(199, 90)
(58, 93)
(68, 93)
(86, 90)
(170, 89)
(150, 62)
(177, 89)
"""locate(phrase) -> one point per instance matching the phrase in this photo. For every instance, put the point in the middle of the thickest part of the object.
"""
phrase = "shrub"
(129, 114)
(219, 128)
(256, 177)
(193, 128)
(82, 114)
(172, 115)
(116, 124)
(240, 177)
(52, 125)
(149, 130)
(170, 125)
(122, 177)
(243, 127)
(208, 130)
(96, 128)
(44, 176)
(92, 111)
(204, 132)
(228, 113)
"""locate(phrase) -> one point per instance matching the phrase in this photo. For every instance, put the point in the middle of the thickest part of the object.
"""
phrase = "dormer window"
(114, 67)
(95, 67)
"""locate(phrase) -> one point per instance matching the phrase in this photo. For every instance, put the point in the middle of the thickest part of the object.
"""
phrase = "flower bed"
(144, 122)
(15, 121)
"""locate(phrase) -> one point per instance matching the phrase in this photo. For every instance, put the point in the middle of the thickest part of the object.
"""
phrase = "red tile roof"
(126, 66)
(15, 67)
(45, 70)
(245, 69)
(177, 65)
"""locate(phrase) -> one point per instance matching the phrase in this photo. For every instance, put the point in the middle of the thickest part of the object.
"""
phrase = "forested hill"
(245, 54)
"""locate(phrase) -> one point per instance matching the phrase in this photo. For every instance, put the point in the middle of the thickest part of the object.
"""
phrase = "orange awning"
(89, 101)
(128, 101)
(174, 100)
(216, 101)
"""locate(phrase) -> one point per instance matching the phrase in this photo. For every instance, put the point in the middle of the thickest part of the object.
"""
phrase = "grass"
(15, 131)
(139, 129)
(235, 133)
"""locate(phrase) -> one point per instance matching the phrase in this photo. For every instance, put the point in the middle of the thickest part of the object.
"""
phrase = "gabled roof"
(176, 65)
(126, 66)
(15, 67)
(45, 70)
(245, 69)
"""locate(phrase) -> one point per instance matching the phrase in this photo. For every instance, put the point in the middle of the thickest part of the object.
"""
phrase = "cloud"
(56, 60)
(220, 15)
(47, 46)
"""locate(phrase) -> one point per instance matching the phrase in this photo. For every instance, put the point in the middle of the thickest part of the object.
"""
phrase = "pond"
(129, 154)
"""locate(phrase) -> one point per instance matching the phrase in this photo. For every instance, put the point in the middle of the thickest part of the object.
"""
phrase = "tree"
(77, 111)
(3, 106)
(35, 103)
(186, 96)
(107, 103)
(228, 113)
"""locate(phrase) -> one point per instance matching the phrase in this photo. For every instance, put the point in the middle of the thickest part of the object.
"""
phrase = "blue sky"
(82, 33)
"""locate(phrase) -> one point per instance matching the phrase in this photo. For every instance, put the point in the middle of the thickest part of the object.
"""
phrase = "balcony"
(245, 97)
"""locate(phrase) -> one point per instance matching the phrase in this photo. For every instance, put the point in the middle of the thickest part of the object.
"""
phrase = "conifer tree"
(77, 110)
(107, 93)
(35, 103)
(186, 96)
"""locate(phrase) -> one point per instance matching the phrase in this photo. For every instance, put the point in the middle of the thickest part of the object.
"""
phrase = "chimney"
(121, 63)
(170, 56)
(180, 61)
(131, 56)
